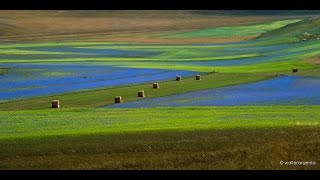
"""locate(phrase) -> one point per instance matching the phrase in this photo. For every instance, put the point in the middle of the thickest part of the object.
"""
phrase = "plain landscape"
(220, 89)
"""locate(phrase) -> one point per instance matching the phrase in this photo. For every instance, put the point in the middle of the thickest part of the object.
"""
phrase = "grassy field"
(237, 149)
(173, 57)
(42, 123)
(269, 67)
(235, 31)
(226, 48)
(160, 138)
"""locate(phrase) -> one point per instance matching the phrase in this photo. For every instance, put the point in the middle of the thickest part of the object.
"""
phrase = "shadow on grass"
(206, 149)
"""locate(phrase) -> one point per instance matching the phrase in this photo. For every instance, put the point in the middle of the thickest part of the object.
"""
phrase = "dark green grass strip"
(206, 149)
(103, 97)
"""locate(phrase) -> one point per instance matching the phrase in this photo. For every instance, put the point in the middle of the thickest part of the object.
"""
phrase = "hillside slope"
(305, 30)
(125, 26)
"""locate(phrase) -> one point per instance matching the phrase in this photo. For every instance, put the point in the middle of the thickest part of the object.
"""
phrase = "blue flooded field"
(29, 80)
(282, 90)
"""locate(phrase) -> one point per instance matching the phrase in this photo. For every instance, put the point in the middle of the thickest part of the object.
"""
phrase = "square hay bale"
(55, 104)
(178, 78)
(155, 85)
(198, 77)
(141, 93)
(295, 70)
(117, 99)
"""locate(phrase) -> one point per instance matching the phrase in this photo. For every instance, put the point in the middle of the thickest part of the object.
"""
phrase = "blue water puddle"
(92, 51)
(32, 80)
(282, 90)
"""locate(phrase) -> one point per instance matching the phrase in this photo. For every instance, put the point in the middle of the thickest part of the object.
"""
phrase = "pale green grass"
(235, 31)
(18, 51)
(269, 67)
(129, 59)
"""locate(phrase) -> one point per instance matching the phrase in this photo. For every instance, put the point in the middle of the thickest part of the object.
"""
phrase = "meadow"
(248, 111)
(160, 138)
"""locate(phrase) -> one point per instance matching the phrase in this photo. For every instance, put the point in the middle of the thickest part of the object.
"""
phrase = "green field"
(43, 123)
(226, 48)
(235, 31)
(161, 138)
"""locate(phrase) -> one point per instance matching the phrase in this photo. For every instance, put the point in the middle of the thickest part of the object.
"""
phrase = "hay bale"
(198, 77)
(306, 34)
(155, 85)
(178, 78)
(55, 104)
(141, 93)
(295, 70)
(117, 99)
